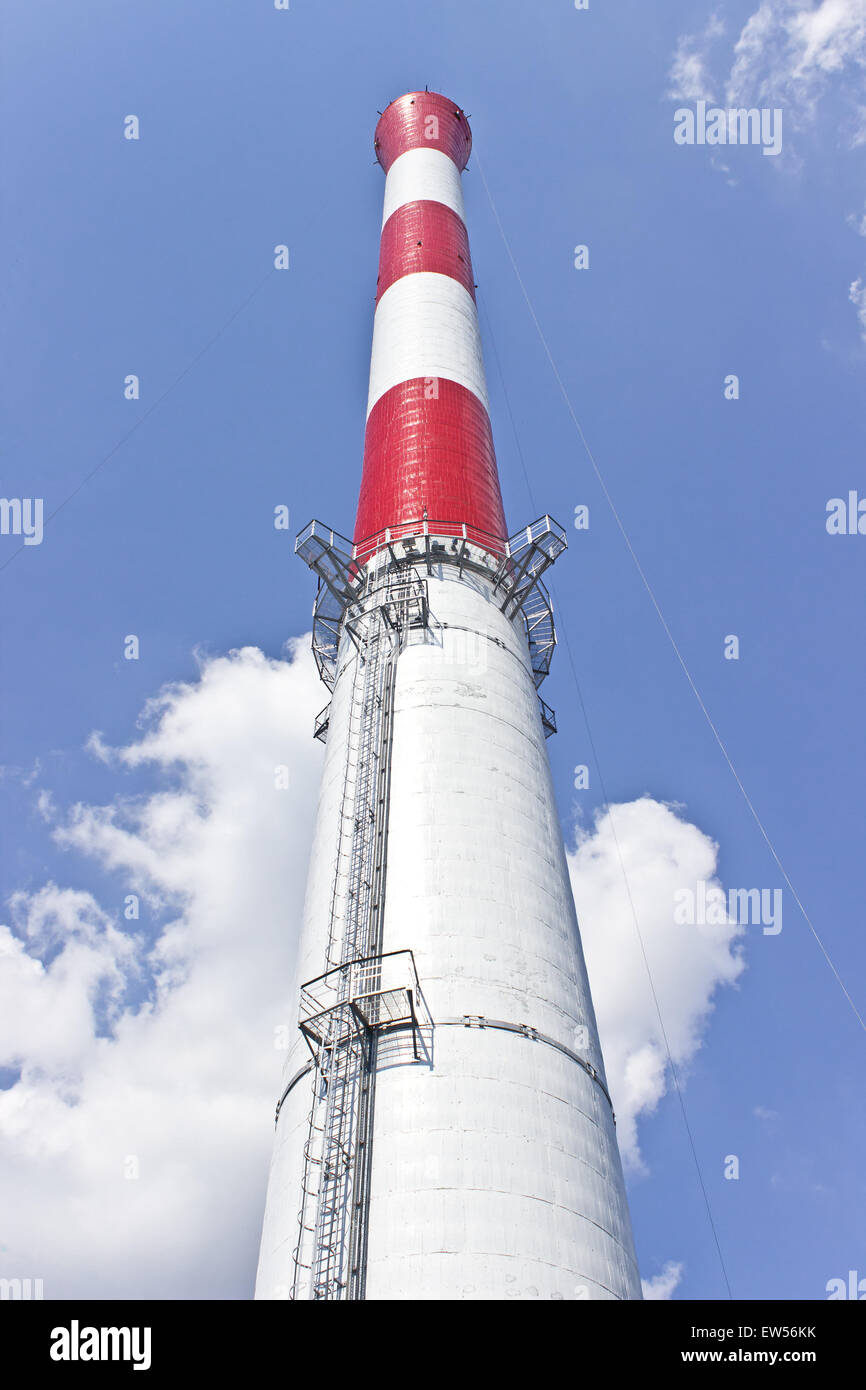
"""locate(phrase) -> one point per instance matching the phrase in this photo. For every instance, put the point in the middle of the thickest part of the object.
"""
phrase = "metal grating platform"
(350, 571)
(370, 993)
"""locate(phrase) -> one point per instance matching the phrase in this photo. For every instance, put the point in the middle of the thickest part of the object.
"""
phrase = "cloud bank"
(659, 853)
(137, 1138)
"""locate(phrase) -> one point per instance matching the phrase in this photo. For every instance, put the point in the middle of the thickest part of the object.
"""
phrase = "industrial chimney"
(444, 1129)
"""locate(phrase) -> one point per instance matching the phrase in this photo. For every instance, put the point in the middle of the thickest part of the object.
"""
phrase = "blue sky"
(155, 257)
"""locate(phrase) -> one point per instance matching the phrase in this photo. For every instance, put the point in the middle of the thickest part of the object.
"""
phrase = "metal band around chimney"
(479, 1021)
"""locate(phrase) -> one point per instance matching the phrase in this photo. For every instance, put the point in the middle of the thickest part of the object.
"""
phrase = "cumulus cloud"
(137, 1137)
(50, 1013)
(647, 846)
(662, 1286)
(137, 1133)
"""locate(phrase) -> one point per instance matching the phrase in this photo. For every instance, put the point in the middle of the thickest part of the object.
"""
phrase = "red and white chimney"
(428, 442)
(444, 1128)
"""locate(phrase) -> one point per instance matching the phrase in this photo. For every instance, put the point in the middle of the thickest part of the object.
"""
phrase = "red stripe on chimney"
(429, 447)
(422, 120)
(424, 236)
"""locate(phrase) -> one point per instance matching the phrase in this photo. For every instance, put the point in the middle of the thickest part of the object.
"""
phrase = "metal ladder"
(332, 1218)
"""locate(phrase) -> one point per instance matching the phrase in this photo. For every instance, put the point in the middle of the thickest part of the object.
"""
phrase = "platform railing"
(350, 571)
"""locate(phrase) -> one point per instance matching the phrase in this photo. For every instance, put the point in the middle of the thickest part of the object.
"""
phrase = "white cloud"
(156, 1043)
(184, 1078)
(761, 1112)
(662, 1286)
(660, 854)
(790, 49)
(857, 222)
(857, 296)
(794, 55)
(788, 52)
(48, 1014)
(856, 131)
(828, 37)
(689, 78)
(689, 74)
